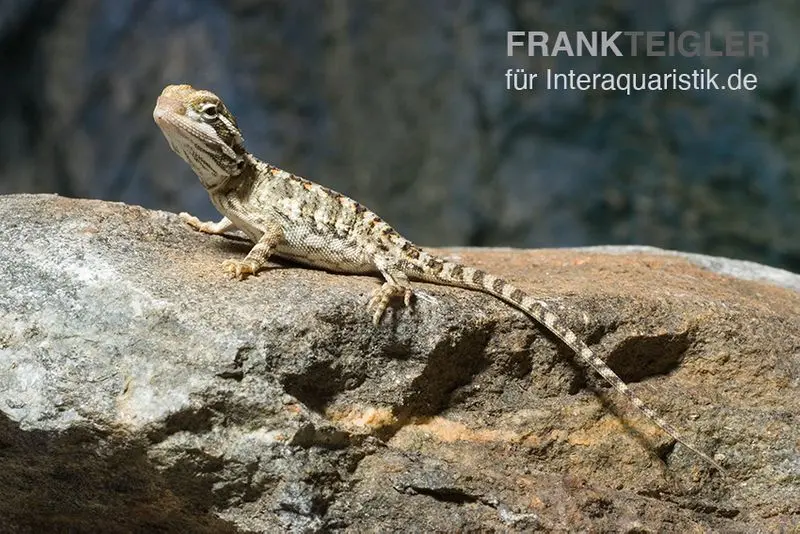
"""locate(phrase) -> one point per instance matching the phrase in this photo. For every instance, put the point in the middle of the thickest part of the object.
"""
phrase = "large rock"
(142, 389)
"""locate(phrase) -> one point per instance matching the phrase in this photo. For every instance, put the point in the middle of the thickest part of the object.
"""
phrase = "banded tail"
(438, 270)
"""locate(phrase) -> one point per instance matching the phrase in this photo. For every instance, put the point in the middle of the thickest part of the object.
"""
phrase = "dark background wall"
(402, 105)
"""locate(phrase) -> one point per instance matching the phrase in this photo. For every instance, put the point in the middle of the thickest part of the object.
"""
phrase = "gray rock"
(143, 390)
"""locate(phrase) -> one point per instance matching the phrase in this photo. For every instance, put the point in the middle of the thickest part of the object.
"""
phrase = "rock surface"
(141, 389)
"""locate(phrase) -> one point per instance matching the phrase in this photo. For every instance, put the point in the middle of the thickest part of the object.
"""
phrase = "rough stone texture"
(141, 389)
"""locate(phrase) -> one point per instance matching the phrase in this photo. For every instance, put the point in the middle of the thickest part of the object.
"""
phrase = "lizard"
(291, 217)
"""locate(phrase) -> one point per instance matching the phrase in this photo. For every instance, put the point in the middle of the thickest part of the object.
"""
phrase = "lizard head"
(201, 130)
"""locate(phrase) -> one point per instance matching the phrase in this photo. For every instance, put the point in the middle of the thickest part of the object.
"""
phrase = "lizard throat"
(222, 183)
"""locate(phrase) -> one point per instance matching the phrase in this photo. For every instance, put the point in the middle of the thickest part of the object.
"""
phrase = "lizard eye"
(209, 111)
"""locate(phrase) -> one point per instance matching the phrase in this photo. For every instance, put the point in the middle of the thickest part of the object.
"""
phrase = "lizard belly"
(338, 254)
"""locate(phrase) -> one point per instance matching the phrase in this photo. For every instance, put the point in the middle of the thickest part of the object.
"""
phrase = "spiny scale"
(298, 219)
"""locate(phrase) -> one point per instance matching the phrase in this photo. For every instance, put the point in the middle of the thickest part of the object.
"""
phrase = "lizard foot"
(207, 227)
(191, 220)
(382, 296)
(241, 268)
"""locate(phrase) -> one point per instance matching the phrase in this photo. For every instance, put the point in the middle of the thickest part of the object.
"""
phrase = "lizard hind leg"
(395, 286)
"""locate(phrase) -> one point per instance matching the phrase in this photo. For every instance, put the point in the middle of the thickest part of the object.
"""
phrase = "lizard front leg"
(395, 286)
(257, 256)
(207, 227)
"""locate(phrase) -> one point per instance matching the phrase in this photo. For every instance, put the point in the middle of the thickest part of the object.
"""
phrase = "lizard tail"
(438, 270)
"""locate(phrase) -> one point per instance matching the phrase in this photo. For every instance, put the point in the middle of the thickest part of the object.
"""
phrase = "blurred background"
(403, 106)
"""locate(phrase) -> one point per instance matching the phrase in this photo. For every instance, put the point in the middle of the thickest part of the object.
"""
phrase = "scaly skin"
(291, 217)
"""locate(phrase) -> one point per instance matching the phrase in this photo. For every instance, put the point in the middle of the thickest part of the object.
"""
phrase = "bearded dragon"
(294, 218)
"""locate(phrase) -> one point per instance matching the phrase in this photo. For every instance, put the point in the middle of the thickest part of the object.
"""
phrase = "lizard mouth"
(170, 115)
(167, 113)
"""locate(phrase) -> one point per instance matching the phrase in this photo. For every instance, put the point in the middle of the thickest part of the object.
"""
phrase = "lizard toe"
(407, 296)
(382, 297)
(189, 219)
(240, 268)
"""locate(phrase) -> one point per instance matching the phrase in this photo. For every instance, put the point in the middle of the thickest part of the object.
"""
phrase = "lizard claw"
(382, 296)
(407, 297)
(240, 268)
